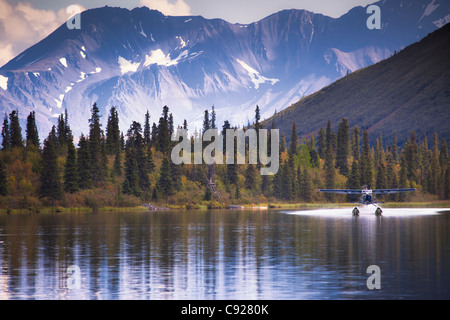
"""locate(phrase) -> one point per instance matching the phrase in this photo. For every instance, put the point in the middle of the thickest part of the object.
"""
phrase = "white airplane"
(367, 196)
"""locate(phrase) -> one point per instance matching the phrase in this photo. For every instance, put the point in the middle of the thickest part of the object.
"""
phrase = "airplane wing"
(342, 191)
(388, 191)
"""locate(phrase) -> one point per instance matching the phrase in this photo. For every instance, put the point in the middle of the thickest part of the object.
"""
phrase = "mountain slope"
(409, 91)
(140, 59)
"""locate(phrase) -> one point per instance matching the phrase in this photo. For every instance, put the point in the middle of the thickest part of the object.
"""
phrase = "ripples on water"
(317, 254)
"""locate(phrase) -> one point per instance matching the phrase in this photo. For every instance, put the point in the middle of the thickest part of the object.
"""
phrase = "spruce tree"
(322, 144)
(84, 163)
(395, 148)
(434, 167)
(147, 130)
(250, 177)
(354, 178)
(258, 126)
(443, 155)
(355, 143)
(343, 147)
(61, 133)
(283, 143)
(381, 178)
(136, 149)
(392, 180)
(403, 183)
(150, 162)
(117, 166)
(163, 131)
(213, 119)
(6, 138)
(50, 180)
(175, 175)
(32, 136)
(98, 172)
(131, 181)
(329, 169)
(171, 127)
(71, 177)
(206, 122)
(380, 164)
(112, 132)
(154, 139)
(411, 156)
(293, 145)
(165, 181)
(15, 131)
(366, 165)
(226, 126)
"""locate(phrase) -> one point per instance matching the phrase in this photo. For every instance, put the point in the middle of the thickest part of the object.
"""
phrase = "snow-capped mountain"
(141, 60)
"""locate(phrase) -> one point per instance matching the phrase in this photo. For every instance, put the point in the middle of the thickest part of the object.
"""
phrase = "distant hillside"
(409, 91)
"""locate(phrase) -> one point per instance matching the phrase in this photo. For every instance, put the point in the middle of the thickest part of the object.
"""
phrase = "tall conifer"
(71, 177)
(32, 136)
(50, 179)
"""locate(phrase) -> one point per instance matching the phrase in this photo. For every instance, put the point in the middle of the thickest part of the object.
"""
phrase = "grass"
(63, 210)
(213, 205)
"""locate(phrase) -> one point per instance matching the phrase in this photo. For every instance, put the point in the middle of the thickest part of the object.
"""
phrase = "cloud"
(22, 25)
(179, 8)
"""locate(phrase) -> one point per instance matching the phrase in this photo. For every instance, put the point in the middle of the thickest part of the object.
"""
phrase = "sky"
(24, 23)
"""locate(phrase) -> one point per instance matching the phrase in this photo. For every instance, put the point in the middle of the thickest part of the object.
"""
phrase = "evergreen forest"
(109, 168)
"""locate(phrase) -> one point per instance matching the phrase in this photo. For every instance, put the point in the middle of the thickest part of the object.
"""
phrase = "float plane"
(367, 196)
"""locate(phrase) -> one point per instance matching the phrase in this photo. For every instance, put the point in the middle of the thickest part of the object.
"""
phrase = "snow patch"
(429, 9)
(255, 76)
(36, 74)
(60, 101)
(127, 66)
(83, 48)
(97, 70)
(142, 30)
(83, 55)
(3, 82)
(182, 42)
(82, 76)
(442, 22)
(63, 62)
(158, 57)
(188, 20)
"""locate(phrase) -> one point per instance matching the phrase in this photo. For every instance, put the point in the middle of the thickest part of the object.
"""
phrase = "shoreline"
(148, 207)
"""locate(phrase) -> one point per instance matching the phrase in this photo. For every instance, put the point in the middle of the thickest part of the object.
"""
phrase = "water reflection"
(223, 255)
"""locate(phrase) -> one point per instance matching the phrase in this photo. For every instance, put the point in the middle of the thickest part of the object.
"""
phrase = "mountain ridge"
(140, 59)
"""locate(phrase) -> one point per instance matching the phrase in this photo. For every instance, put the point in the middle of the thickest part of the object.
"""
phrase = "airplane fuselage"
(366, 197)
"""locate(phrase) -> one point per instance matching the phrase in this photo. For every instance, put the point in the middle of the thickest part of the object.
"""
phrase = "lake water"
(225, 255)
